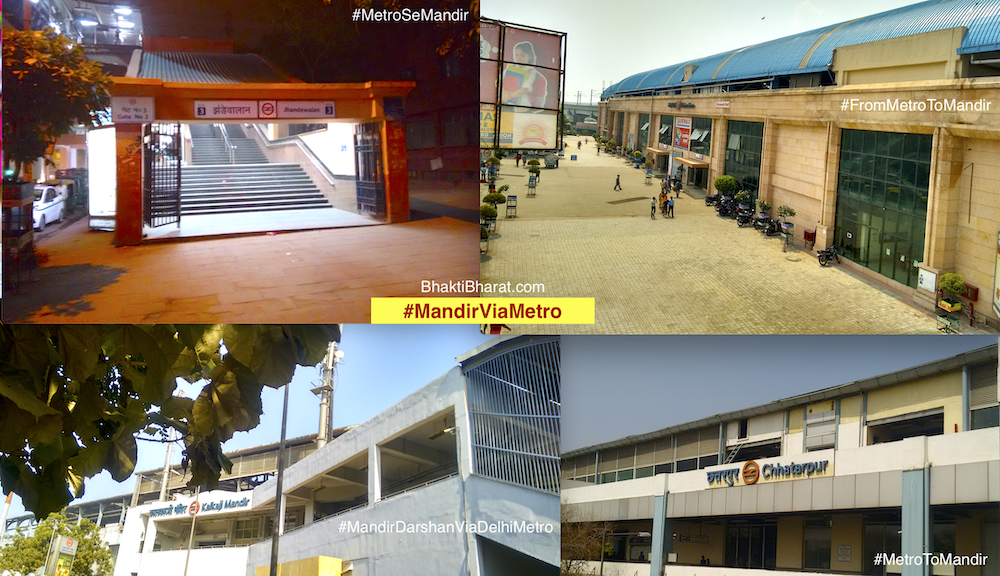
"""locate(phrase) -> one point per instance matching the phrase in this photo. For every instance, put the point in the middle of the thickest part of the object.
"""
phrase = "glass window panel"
(644, 472)
(911, 146)
(846, 139)
(892, 196)
(878, 193)
(926, 143)
(906, 197)
(881, 164)
(882, 144)
(909, 174)
(896, 145)
(901, 264)
(887, 255)
(866, 189)
(608, 477)
(893, 172)
(986, 418)
(868, 167)
(920, 197)
(923, 176)
(877, 221)
(904, 225)
(625, 474)
(890, 218)
(870, 138)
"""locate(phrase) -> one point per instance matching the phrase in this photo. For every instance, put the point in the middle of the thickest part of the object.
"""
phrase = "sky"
(382, 365)
(609, 41)
(617, 386)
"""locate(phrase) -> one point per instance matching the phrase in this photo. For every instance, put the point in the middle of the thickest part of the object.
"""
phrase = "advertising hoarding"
(520, 86)
(682, 133)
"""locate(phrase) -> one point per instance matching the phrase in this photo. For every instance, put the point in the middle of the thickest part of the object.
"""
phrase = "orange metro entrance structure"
(376, 108)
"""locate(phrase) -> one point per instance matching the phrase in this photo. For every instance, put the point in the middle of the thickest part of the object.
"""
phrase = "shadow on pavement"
(61, 288)
(423, 209)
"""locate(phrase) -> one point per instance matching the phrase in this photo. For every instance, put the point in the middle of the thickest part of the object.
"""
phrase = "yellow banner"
(482, 311)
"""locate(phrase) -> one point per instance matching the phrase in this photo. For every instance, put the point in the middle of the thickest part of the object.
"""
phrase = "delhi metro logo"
(194, 508)
(751, 473)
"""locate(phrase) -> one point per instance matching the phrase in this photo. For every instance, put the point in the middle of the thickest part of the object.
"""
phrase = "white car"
(50, 206)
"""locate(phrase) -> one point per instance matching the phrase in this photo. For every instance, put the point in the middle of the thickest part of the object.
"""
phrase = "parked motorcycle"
(744, 215)
(712, 200)
(771, 227)
(825, 256)
(727, 207)
(761, 220)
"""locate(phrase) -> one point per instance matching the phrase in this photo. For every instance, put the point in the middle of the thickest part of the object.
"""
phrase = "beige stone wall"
(979, 217)
(799, 168)
(802, 150)
(927, 56)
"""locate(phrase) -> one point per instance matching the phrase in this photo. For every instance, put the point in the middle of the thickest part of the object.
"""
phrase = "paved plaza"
(694, 274)
(318, 276)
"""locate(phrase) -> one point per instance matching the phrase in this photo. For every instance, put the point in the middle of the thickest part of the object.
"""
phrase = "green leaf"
(130, 343)
(13, 384)
(91, 459)
(80, 348)
(121, 457)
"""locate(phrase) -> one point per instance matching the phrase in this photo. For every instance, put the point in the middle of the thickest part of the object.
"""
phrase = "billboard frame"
(498, 105)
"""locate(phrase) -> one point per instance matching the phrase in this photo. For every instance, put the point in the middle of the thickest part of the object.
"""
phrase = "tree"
(725, 184)
(26, 553)
(48, 88)
(73, 399)
(580, 541)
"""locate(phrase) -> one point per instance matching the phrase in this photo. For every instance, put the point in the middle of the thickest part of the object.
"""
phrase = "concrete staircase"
(213, 185)
(208, 145)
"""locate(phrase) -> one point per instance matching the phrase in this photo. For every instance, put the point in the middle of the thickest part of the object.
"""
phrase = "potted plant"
(638, 159)
(953, 285)
(743, 197)
(786, 211)
(726, 185)
(484, 239)
(494, 198)
(765, 208)
(649, 164)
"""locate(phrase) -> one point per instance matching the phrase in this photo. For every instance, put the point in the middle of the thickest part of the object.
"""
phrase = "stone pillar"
(828, 203)
(767, 156)
(941, 240)
(397, 187)
(663, 536)
(941, 234)
(916, 536)
(717, 156)
(128, 200)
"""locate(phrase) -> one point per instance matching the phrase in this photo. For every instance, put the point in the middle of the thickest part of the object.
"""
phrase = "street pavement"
(316, 276)
(694, 274)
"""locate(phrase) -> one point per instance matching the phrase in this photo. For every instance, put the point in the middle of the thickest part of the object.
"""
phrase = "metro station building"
(823, 482)
(452, 453)
(883, 133)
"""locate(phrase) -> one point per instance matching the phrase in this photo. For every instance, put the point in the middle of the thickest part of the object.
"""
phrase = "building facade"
(900, 464)
(883, 133)
(449, 479)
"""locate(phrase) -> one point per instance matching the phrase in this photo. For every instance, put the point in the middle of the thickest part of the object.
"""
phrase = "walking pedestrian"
(517, 160)
(670, 207)
(618, 182)
(652, 207)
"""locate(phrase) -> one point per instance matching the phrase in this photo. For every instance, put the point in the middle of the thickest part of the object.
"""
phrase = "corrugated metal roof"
(943, 366)
(204, 68)
(813, 51)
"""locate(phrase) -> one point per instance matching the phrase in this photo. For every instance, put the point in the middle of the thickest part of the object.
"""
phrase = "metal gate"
(368, 161)
(161, 174)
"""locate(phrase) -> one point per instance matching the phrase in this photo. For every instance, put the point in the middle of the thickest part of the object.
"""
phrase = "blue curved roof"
(813, 51)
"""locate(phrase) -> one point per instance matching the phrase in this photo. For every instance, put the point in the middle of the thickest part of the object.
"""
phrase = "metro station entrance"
(196, 160)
